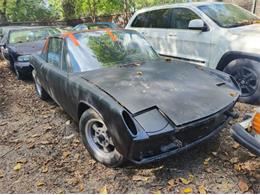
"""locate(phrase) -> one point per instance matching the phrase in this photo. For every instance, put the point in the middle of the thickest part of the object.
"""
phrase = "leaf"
(103, 190)
(139, 73)
(235, 145)
(65, 154)
(184, 181)
(206, 161)
(187, 190)
(171, 182)
(17, 167)
(2, 173)
(232, 94)
(243, 186)
(156, 192)
(40, 183)
(140, 178)
(22, 161)
(81, 187)
(202, 189)
(237, 167)
(60, 191)
(45, 169)
(234, 160)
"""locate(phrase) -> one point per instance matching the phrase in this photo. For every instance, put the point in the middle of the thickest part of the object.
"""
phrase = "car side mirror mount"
(198, 24)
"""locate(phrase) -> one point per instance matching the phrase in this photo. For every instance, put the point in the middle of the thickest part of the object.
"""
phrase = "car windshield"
(228, 15)
(31, 35)
(108, 48)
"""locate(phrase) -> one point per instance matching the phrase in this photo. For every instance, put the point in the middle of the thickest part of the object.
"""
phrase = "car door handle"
(144, 33)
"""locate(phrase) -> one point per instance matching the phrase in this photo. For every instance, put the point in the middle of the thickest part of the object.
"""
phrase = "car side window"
(160, 18)
(181, 18)
(141, 20)
(54, 51)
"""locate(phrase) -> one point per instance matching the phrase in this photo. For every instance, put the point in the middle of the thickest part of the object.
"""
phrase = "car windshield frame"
(32, 30)
(217, 13)
(87, 60)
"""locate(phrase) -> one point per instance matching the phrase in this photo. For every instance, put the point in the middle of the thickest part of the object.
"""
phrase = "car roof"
(66, 34)
(173, 5)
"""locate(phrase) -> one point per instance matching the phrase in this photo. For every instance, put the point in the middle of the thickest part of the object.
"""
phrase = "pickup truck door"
(188, 44)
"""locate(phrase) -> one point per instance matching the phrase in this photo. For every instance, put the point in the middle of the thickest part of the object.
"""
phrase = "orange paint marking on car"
(111, 35)
(45, 48)
(256, 123)
(72, 38)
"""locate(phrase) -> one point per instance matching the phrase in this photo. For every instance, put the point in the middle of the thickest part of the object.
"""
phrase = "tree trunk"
(3, 14)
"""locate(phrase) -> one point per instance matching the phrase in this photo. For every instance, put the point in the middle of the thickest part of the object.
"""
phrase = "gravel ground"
(40, 152)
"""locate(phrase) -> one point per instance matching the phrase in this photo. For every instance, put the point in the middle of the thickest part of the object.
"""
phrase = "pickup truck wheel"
(247, 74)
(41, 93)
(96, 138)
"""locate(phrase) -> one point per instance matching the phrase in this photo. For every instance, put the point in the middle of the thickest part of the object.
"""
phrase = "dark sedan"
(130, 103)
(18, 43)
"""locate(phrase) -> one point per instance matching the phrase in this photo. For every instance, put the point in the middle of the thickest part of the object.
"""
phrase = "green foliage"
(39, 10)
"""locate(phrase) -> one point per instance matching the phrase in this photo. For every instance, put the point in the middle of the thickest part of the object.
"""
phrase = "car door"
(54, 75)
(185, 43)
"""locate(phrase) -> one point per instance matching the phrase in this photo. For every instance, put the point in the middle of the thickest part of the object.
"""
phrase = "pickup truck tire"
(247, 74)
(96, 138)
(41, 93)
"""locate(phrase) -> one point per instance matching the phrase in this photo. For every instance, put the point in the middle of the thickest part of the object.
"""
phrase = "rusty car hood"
(183, 91)
(27, 48)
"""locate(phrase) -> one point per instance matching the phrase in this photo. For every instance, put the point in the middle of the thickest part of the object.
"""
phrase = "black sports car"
(19, 42)
(130, 103)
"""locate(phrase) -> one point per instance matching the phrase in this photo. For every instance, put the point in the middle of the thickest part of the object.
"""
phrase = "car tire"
(96, 138)
(18, 74)
(10, 61)
(41, 93)
(247, 74)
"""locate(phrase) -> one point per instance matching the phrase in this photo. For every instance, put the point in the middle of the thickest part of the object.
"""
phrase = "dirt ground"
(40, 152)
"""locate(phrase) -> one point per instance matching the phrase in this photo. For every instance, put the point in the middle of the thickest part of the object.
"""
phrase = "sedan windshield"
(228, 15)
(31, 35)
(108, 48)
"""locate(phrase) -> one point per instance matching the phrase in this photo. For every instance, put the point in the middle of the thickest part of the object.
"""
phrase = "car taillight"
(256, 123)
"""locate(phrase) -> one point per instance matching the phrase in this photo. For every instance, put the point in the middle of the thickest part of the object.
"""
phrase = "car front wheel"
(247, 74)
(96, 138)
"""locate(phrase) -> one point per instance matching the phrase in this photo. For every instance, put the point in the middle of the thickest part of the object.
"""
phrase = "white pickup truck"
(217, 35)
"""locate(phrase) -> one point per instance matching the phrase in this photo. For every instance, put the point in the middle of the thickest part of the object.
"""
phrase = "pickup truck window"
(181, 18)
(228, 15)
